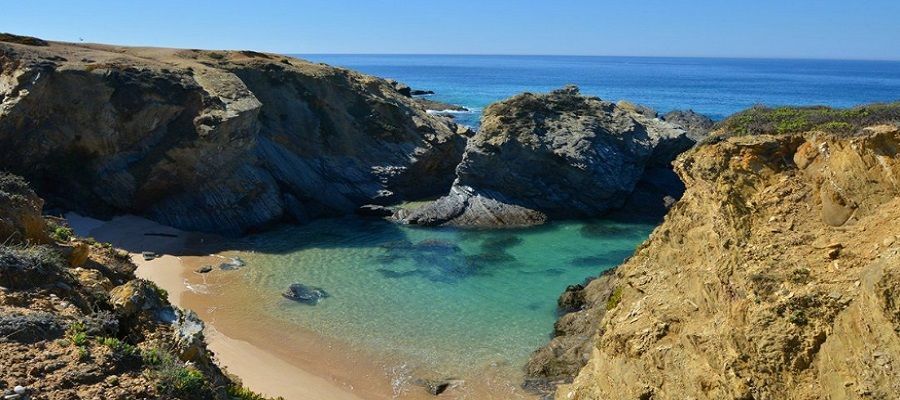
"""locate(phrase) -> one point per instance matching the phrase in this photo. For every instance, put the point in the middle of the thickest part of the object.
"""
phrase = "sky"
(695, 28)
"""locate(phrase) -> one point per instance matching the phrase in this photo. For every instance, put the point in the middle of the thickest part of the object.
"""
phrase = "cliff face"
(775, 276)
(556, 155)
(213, 141)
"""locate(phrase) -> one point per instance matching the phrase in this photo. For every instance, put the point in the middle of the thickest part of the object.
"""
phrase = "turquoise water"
(459, 301)
(444, 299)
(713, 86)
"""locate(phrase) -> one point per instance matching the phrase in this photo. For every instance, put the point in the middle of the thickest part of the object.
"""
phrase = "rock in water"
(215, 141)
(305, 294)
(556, 155)
(374, 211)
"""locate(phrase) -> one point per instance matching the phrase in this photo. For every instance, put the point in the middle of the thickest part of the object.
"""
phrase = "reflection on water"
(443, 299)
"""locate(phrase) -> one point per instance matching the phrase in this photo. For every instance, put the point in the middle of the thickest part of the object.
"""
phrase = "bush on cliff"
(784, 120)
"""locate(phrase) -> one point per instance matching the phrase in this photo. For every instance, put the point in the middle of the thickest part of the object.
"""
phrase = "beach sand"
(270, 356)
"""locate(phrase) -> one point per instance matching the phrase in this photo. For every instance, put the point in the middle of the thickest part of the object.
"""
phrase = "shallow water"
(445, 300)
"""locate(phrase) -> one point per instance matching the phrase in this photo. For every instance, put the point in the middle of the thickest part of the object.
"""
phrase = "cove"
(438, 299)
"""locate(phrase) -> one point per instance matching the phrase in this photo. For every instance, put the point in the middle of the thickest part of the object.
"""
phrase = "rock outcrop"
(221, 141)
(20, 212)
(557, 155)
(697, 125)
(76, 323)
(774, 277)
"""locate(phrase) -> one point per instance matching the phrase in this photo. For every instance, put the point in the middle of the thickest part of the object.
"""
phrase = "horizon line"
(784, 58)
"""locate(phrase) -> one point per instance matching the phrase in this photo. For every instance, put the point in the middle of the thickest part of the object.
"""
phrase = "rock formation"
(697, 125)
(557, 155)
(775, 276)
(221, 141)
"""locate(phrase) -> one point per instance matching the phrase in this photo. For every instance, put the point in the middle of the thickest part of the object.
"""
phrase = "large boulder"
(20, 212)
(219, 141)
(556, 155)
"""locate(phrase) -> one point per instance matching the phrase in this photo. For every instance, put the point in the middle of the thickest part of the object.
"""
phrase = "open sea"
(461, 302)
(716, 87)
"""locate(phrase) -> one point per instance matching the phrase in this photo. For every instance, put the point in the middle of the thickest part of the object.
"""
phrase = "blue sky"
(725, 28)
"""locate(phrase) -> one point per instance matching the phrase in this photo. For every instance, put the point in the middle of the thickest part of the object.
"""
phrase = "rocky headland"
(215, 141)
(556, 155)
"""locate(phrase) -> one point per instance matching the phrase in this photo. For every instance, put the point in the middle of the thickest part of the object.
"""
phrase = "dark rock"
(440, 107)
(204, 269)
(401, 88)
(305, 294)
(32, 327)
(149, 255)
(438, 386)
(572, 299)
(374, 211)
(232, 264)
(697, 125)
(419, 92)
(556, 155)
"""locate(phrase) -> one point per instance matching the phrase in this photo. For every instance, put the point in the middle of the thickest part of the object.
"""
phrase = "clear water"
(456, 301)
(444, 299)
(716, 87)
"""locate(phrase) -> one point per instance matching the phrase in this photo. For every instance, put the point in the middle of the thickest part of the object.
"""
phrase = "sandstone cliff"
(774, 277)
(556, 155)
(221, 141)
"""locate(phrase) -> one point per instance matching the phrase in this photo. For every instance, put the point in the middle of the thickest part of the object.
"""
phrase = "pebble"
(19, 389)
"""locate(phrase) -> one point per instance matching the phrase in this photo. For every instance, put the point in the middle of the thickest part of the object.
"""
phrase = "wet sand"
(270, 356)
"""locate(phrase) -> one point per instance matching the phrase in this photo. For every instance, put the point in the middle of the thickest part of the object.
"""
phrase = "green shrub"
(60, 233)
(118, 346)
(786, 120)
(238, 392)
(614, 299)
(174, 378)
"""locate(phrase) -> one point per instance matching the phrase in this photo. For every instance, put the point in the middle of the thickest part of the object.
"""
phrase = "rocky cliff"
(76, 323)
(221, 141)
(774, 277)
(556, 155)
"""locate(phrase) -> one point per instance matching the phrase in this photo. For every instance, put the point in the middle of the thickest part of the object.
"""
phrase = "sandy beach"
(261, 370)
(271, 357)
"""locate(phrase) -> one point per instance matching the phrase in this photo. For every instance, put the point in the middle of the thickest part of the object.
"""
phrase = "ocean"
(712, 86)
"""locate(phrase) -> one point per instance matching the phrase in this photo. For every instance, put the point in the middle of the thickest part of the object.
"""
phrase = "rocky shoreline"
(773, 274)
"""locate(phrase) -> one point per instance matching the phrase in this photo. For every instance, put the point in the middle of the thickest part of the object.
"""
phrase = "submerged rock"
(305, 294)
(556, 155)
(232, 264)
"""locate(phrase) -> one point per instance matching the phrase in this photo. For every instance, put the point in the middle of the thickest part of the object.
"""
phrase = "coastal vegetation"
(786, 120)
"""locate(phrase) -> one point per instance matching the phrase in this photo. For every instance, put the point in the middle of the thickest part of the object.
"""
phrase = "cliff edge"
(775, 276)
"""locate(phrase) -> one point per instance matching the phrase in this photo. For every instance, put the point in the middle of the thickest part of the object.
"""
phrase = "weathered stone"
(557, 155)
(305, 294)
